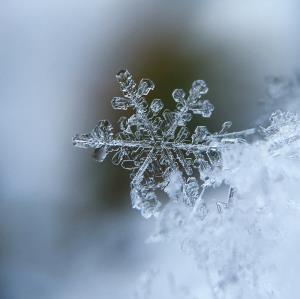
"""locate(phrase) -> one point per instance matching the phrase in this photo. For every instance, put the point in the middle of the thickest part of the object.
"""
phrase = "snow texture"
(245, 243)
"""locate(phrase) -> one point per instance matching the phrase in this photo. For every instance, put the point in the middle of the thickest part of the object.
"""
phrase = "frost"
(281, 93)
(243, 247)
(153, 143)
(243, 235)
(284, 130)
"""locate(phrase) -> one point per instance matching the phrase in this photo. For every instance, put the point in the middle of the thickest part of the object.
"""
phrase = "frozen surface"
(244, 243)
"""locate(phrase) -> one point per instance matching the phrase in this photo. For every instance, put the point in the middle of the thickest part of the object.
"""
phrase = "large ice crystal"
(154, 143)
(249, 247)
(245, 244)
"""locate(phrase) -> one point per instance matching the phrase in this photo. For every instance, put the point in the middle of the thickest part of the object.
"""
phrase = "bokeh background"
(67, 229)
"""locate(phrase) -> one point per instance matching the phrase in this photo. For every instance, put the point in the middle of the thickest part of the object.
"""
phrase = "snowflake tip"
(199, 87)
(126, 82)
(178, 95)
(145, 86)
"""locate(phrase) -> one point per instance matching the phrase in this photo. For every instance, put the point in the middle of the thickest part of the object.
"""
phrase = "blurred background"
(66, 224)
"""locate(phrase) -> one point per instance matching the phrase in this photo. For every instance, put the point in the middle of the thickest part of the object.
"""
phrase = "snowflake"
(283, 134)
(154, 143)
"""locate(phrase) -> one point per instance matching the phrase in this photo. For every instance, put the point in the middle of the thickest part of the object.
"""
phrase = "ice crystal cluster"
(281, 93)
(155, 144)
(248, 247)
(245, 243)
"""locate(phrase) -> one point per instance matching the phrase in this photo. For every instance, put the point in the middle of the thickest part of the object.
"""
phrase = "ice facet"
(103, 131)
(120, 103)
(178, 95)
(156, 105)
(199, 88)
(205, 109)
(200, 134)
(126, 82)
(145, 86)
(191, 191)
(100, 153)
(225, 127)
